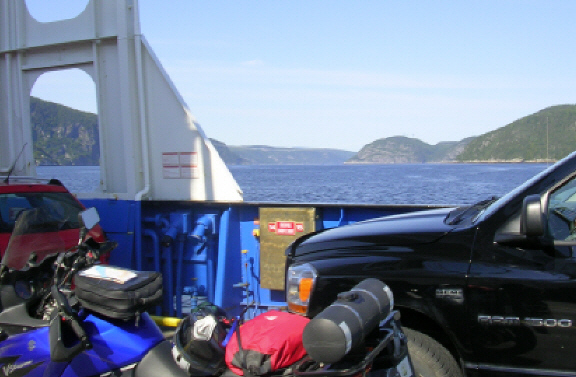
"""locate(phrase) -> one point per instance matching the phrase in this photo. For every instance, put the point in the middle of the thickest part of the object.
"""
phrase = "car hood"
(397, 230)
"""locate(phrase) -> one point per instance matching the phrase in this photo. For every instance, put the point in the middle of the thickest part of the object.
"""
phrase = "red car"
(19, 194)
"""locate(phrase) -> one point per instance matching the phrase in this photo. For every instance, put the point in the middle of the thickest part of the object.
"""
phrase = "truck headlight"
(300, 281)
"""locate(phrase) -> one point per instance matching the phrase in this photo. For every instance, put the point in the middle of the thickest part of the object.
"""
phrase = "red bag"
(270, 341)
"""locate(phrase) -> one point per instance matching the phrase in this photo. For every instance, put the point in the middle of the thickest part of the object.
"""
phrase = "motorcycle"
(44, 329)
(50, 325)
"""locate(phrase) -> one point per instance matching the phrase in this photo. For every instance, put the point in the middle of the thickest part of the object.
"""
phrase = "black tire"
(430, 358)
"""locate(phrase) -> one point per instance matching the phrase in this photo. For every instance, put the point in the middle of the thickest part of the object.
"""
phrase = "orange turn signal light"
(298, 309)
(305, 289)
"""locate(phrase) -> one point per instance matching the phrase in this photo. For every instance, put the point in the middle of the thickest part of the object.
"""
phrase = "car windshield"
(62, 207)
(35, 236)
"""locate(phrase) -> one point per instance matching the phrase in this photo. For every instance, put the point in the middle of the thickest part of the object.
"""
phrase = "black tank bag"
(118, 293)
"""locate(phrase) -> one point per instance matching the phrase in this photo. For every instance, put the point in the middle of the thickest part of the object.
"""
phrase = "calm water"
(75, 178)
(356, 184)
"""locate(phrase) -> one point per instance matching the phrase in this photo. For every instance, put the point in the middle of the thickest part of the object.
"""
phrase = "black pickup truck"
(483, 290)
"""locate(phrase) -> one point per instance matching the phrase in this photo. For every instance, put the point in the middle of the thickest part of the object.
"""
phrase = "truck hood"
(397, 230)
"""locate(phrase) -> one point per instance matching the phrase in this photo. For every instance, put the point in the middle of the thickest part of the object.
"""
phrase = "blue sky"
(341, 74)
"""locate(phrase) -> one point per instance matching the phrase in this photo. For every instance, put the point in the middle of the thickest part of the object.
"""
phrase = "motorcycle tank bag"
(198, 348)
(266, 343)
(342, 326)
(116, 292)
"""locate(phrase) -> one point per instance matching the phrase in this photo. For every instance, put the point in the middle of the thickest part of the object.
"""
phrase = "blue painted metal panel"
(209, 249)
(117, 218)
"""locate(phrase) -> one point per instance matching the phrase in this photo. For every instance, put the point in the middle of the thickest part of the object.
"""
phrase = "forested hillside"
(62, 135)
(549, 134)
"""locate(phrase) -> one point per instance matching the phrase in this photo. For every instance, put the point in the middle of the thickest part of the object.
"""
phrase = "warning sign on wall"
(285, 228)
(278, 228)
(179, 165)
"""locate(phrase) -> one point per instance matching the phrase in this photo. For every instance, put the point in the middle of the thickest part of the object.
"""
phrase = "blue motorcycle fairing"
(27, 354)
(115, 344)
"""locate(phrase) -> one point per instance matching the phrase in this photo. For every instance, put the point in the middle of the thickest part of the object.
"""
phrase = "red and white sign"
(189, 159)
(285, 228)
(170, 159)
(180, 165)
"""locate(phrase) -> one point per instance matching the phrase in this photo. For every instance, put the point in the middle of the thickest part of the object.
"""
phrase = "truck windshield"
(473, 211)
(488, 211)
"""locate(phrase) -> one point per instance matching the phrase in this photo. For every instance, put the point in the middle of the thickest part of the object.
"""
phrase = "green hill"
(404, 150)
(62, 135)
(549, 134)
(393, 150)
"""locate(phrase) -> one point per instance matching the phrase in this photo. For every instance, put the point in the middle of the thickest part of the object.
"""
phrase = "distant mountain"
(404, 150)
(65, 136)
(265, 155)
(229, 157)
(549, 134)
(62, 135)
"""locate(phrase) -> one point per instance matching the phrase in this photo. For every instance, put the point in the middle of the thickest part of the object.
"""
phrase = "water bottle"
(193, 302)
(201, 300)
(187, 294)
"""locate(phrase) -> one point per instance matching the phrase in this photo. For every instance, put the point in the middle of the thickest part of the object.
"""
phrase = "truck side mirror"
(532, 223)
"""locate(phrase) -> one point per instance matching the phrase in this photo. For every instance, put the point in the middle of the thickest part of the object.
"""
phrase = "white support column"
(151, 146)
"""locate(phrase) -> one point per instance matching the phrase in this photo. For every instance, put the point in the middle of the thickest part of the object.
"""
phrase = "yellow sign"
(278, 228)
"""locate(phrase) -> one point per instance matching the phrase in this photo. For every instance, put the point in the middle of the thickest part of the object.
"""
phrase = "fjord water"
(351, 184)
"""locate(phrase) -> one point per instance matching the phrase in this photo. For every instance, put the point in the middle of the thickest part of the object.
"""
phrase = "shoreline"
(514, 161)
